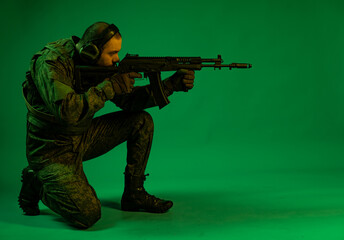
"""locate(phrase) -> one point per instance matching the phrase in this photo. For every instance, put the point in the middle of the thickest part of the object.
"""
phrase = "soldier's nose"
(115, 61)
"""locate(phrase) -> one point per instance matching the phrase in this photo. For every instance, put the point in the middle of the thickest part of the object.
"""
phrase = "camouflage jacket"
(50, 90)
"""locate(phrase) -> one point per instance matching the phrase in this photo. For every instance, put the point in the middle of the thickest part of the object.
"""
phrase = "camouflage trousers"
(58, 161)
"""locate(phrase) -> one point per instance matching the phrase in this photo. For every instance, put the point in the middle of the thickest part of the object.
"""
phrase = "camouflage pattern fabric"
(57, 155)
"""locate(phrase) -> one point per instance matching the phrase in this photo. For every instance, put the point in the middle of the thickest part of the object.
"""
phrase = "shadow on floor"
(223, 210)
(196, 210)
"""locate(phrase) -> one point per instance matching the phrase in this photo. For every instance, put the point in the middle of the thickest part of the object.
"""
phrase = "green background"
(247, 154)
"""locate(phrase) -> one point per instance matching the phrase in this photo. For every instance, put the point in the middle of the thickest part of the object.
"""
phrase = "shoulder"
(63, 49)
(56, 55)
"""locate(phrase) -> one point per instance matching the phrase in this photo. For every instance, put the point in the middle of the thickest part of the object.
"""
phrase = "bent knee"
(146, 119)
(87, 217)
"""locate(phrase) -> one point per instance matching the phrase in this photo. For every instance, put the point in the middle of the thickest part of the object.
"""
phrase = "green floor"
(279, 173)
(279, 204)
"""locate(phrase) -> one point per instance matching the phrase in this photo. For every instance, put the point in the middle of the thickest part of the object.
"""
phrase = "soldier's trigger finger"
(190, 72)
(135, 75)
(187, 71)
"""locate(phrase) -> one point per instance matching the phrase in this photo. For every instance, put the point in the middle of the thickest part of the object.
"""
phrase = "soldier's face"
(109, 55)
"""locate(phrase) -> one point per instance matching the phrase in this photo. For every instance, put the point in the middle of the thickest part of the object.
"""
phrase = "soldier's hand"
(124, 83)
(182, 80)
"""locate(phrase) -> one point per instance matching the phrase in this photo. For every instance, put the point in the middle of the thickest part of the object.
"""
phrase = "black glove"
(124, 83)
(182, 80)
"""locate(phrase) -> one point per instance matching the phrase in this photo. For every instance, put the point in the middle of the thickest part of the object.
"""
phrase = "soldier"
(62, 133)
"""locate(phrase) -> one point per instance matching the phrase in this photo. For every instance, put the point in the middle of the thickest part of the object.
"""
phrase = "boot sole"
(130, 208)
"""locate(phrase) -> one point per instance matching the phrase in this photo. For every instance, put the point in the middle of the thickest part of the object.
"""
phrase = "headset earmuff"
(90, 52)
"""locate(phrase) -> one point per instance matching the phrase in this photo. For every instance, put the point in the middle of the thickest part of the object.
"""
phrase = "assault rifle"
(151, 67)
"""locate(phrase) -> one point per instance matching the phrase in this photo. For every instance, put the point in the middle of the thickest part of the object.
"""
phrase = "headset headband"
(107, 34)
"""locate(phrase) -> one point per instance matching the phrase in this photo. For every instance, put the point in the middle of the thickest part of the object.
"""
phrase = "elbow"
(71, 114)
(68, 117)
(77, 109)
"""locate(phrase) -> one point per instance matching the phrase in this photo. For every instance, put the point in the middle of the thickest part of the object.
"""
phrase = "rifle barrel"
(233, 65)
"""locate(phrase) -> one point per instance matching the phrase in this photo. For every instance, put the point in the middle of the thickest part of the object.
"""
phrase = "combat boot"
(135, 197)
(29, 195)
